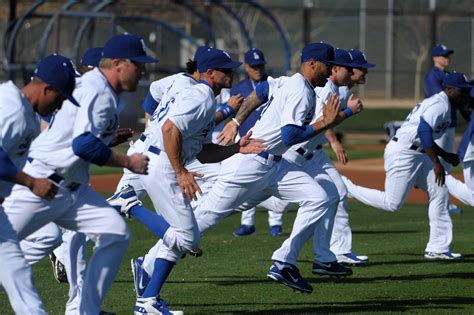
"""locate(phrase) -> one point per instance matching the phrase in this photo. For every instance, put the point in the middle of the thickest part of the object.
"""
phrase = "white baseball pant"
(404, 169)
(242, 176)
(15, 273)
(82, 210)
(463, 191)
(274, 217)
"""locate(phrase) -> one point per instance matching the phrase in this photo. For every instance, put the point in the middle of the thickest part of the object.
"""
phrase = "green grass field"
(230, 278)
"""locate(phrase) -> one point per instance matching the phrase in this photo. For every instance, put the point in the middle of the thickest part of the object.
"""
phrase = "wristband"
(226, 111)
(236, 122)
(348, 112)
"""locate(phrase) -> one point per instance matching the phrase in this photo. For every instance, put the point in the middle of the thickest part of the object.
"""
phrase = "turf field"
(231, 276)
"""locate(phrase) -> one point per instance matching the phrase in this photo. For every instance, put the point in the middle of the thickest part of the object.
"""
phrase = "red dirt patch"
(365, 172)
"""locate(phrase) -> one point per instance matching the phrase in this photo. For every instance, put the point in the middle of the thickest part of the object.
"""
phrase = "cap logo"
(143, 44)
(465, 78)
(350, 55)
(226, 53)
(256, 56)
(444, 47)
(365, 58)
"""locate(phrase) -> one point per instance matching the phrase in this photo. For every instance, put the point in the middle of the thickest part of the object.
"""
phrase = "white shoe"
(445, 255)
(153, 305)
(352, 259)
(124, 200)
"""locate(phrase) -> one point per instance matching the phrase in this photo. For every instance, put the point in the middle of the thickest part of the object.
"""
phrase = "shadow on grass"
(377, 305)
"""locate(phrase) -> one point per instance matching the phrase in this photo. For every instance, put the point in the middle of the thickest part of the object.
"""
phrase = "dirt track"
(366, 172)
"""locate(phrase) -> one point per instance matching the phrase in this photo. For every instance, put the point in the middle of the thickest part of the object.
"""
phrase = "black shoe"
(331, 269)
(59, 271)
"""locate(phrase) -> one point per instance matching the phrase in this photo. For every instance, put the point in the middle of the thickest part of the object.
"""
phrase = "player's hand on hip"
(331, 109)
(228, 134)
(44, 188)
(439, 173)
(138, 163)
(355, 104)
(122, 135)
(452, 159)
(340, 152)
(235, 101)
(248, 146)
(188, 184)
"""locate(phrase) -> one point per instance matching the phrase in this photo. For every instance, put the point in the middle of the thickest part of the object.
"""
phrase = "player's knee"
(394, 206)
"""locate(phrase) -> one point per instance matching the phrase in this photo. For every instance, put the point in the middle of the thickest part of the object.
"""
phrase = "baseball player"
(465, 191)
(286, 119)
(341, 239)
(53, 81)
(411, 158)
(186, 122)
(255, 69)
(433, 84)
(42, 241)
(79, 137)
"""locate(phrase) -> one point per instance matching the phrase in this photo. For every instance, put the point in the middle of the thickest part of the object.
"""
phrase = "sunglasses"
(225, 70)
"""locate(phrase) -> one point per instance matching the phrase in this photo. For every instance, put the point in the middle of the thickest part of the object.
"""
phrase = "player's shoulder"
(12, 100)
(93, 82)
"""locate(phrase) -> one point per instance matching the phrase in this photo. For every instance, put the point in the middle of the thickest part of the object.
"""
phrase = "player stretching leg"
(186, 123)
(81, 135)
(53, 81)
(465, 191)
(411, 158)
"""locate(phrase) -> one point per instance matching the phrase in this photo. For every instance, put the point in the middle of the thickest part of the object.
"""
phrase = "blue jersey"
(245, 88)
(433, 84)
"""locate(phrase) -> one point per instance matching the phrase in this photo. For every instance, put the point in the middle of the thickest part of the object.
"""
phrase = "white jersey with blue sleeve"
(436, 111)
(322, 94)
(159, 88)
(98, 115)
(171, 85)
(19, 125)
(192, 111)
(222, 98)
(292, 103)
(344, 94)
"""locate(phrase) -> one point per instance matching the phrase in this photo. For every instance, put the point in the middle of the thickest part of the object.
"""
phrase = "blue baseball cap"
(360, 61)
(58, 71)
(91, 57)
(199, 52)
(254, 57)
(213, 58)
(457, 80)
(318, 51)
(343, 58)
(126, 46)
(441, 50)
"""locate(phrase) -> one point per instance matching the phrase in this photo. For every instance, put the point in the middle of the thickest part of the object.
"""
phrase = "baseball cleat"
(124, 200)
(446, 255)
(245, 230)
(276, 230)
(59, 271)
(352, 259)
(290, 276)
(140, 277)
(332, 268)
(153, 305)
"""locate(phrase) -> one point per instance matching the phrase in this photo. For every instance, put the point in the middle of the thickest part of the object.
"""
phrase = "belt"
(57, 179)
(142, 137)
(266, 155)
(307, 156)
(154, 150)
(412, 147)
